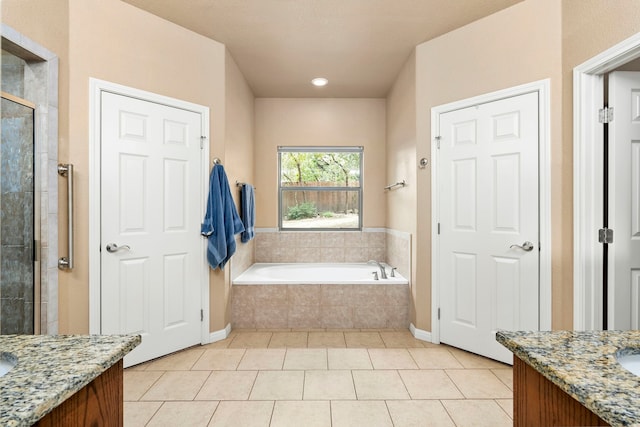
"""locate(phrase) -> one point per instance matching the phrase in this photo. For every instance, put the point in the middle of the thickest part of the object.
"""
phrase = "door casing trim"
(542, 87)
(588, 97)
(96, 87)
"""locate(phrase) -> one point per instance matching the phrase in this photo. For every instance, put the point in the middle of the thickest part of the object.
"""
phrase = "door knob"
(112, 247)
(526, 246)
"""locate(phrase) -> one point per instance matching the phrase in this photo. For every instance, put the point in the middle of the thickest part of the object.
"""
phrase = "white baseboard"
(220, 335)
(419, 334)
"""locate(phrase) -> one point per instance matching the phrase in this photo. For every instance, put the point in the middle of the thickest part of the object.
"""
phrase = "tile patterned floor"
(321, 378)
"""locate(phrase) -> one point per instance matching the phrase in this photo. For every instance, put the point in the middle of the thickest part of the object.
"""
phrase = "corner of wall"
(237, 154)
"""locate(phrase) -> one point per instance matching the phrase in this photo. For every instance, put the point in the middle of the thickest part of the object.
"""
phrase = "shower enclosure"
(19, 275)
(28, 186)
(17, 263)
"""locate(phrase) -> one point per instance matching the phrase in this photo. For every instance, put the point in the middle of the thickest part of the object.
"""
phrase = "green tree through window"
(320, 187)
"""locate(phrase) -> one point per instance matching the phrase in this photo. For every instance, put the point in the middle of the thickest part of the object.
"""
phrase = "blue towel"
(248, 211)
(221, 222)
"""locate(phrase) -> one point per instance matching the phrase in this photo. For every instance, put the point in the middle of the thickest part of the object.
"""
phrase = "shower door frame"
(44, 65)
(36, 216)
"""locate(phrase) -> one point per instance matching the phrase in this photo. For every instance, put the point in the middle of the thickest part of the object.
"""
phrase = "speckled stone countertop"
(583, 365)
(51, 368)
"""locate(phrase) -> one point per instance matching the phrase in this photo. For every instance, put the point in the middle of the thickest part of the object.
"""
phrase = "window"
(320, 188)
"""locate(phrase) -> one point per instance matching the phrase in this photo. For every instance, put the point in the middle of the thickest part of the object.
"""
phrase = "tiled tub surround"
(51, 369)
(325, 305)
(243, 258)
(320, 306)
(320, 273)
(398, 251)
(319, 246)
(380, 244)
(584, 366)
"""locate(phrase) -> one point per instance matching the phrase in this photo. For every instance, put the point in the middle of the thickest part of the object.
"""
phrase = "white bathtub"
(316, 273)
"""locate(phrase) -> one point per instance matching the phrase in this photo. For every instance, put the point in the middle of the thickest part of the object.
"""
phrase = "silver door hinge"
(605, 115)
(202, 139)
(605, 235)
(438, 228)
(201, 315)
(438, 313)
(438, 138)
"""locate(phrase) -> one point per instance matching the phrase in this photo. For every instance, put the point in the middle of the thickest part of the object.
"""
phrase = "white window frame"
(319, 149)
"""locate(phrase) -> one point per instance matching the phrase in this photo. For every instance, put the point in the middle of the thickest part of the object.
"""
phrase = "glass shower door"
(17, 219)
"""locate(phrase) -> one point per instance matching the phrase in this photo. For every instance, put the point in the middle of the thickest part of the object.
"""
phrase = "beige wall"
(239, 164)
(320, 122)
(515, 46)
(589, 27)
(47, 23)
(533, 40)
(401, 159)
(592, 26)
(113, 41)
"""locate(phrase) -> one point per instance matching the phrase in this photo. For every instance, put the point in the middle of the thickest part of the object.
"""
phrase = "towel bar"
(66, 170)
(397, 184)
(240, 184)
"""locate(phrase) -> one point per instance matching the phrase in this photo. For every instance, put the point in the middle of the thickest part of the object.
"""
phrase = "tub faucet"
(383, 274)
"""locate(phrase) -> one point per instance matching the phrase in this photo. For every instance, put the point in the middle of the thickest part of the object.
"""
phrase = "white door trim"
(96, 87)
(543, 89)
(588, 93)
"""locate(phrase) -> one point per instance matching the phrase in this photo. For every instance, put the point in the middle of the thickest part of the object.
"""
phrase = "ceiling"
(359, 45)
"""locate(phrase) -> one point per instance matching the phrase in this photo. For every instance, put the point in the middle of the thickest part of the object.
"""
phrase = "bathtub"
(310, 296)
(316, 274)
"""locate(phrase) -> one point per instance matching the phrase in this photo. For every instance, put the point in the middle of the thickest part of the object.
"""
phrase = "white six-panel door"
(151, 208)
(488, 202)
(624, 201)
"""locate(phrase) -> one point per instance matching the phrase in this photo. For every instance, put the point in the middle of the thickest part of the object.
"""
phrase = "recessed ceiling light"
(319, 81)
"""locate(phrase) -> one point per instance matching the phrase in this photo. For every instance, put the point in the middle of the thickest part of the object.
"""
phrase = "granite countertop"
(583, 364)
(51, 368)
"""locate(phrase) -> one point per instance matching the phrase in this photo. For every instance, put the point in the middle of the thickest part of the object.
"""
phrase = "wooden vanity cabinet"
(99, 403)
(539, 402)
